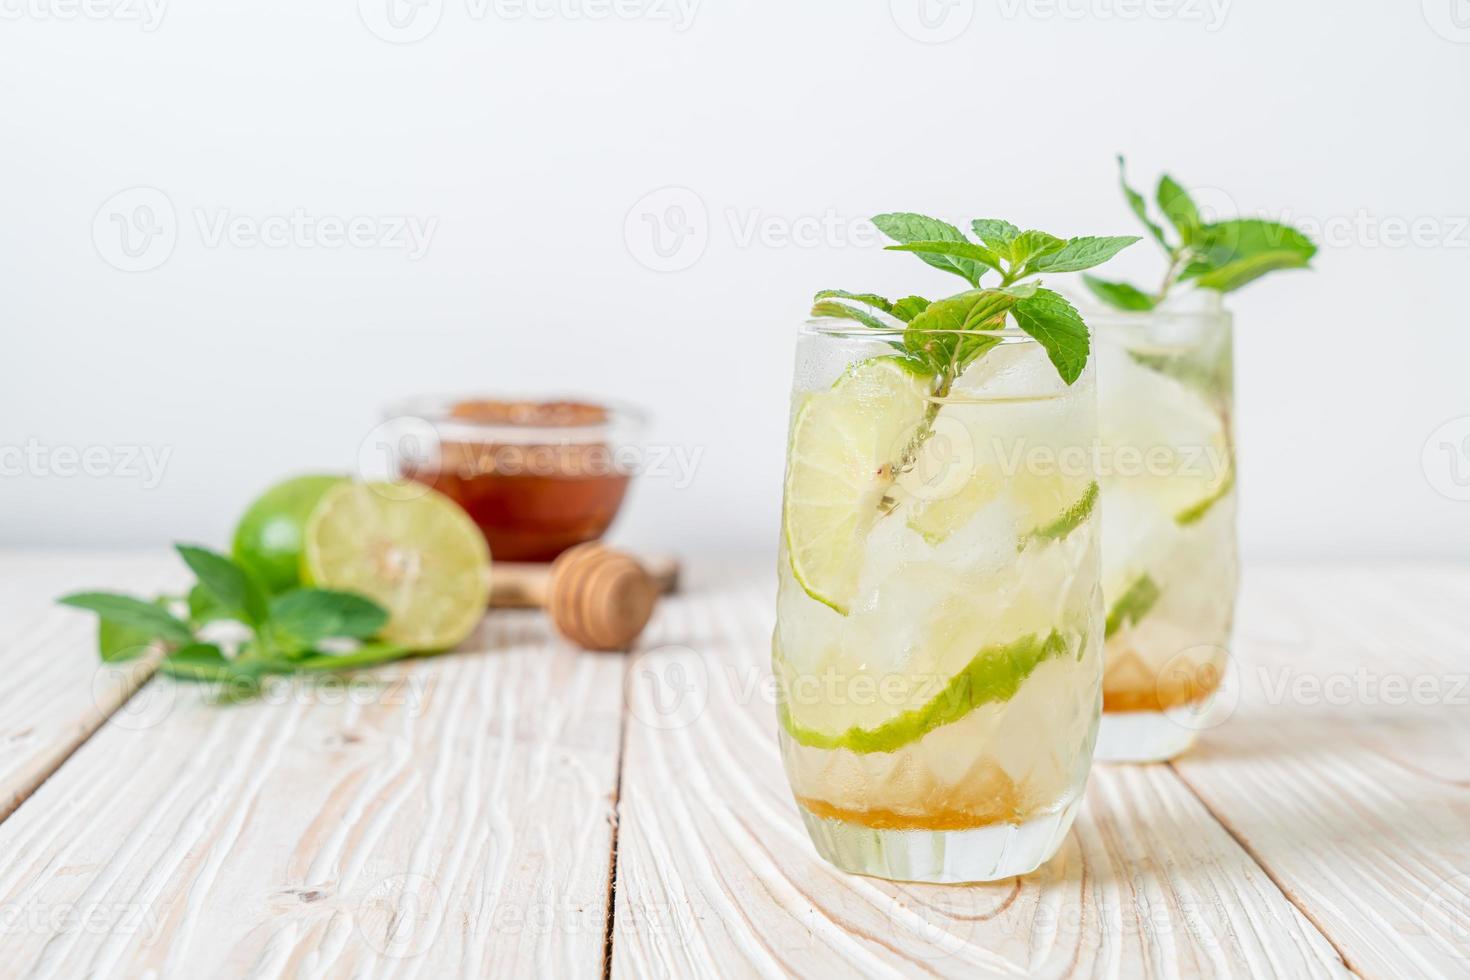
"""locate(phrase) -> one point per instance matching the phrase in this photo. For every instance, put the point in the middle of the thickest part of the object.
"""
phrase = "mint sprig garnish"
(285, 634)
(1221, 255)
(946, 335)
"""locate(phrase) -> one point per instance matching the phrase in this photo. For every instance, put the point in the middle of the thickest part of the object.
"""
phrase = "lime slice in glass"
(409, 548)
(845, 444)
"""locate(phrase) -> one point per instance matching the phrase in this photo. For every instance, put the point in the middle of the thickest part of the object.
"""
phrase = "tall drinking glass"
(939, 619)
(1168, 520)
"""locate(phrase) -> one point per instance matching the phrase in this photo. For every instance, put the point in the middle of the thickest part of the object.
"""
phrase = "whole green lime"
(268, 539)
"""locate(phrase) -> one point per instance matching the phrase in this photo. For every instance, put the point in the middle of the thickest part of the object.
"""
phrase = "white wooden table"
(501, 812)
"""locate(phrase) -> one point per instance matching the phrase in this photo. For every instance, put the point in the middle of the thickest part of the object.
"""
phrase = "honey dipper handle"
(525, 585)
(519, 585)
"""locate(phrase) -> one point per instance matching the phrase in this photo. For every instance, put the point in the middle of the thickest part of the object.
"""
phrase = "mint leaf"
(841, 311)
(231, 587)
(1032, 245)
(1081, 253)
(1119, 294)
(367, 655)
(996, 233)
(301, 618)
(1233, 275)
(205, 662)
(1229, 254)
(909, 307)
(1178, 207)
(146, 617)
(1228, 241)
(1057, 326)
(954, 250)
(872, 299)
(936, 334)
(119, 641)
(904, 228)
(1140, 207)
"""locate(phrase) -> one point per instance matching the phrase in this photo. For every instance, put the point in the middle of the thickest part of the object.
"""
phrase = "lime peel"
(993, 675)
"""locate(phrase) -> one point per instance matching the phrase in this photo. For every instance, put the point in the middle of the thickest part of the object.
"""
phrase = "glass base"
(941, 856)
(1140, 736)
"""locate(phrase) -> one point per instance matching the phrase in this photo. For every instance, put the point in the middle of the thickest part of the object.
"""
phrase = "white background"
(531, 134)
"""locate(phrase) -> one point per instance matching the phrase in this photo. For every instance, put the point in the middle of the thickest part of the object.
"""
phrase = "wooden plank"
(60, 693)
(1346, 767)
(454, 816)
(716, 875)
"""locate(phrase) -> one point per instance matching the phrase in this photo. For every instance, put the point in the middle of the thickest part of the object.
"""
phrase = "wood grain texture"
(59, 693)
(1346, 767)
(716, 876)
(453, 816)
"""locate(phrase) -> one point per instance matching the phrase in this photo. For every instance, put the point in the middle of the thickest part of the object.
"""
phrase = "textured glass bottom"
(1140, 736)
(941, 856)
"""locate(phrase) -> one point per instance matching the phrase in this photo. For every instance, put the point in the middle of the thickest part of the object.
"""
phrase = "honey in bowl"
(536, 477)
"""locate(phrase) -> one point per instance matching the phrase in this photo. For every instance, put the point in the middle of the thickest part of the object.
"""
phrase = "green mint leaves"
(285, 632)
(935, 335)
(1222, 255)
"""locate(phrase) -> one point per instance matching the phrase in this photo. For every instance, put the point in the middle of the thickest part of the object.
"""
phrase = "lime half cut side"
(409, 548)
(846, 444)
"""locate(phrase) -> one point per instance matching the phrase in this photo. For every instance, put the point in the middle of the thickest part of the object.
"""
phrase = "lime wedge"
(845, 444)
(409, 548)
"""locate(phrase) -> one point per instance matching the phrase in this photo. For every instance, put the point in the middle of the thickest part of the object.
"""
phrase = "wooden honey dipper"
(600, 599)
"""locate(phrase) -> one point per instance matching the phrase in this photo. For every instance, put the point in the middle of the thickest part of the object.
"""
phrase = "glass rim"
(619, 418)
(1109, 319)
(849, 329)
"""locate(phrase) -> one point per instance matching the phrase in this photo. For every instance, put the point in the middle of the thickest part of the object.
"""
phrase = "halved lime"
(846, 443)
(409, 548)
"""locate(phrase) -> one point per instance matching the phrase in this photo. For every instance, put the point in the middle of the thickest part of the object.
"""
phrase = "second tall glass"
(1168, 516)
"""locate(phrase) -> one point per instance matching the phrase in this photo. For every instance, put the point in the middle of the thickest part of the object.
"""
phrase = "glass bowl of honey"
(538, 476)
